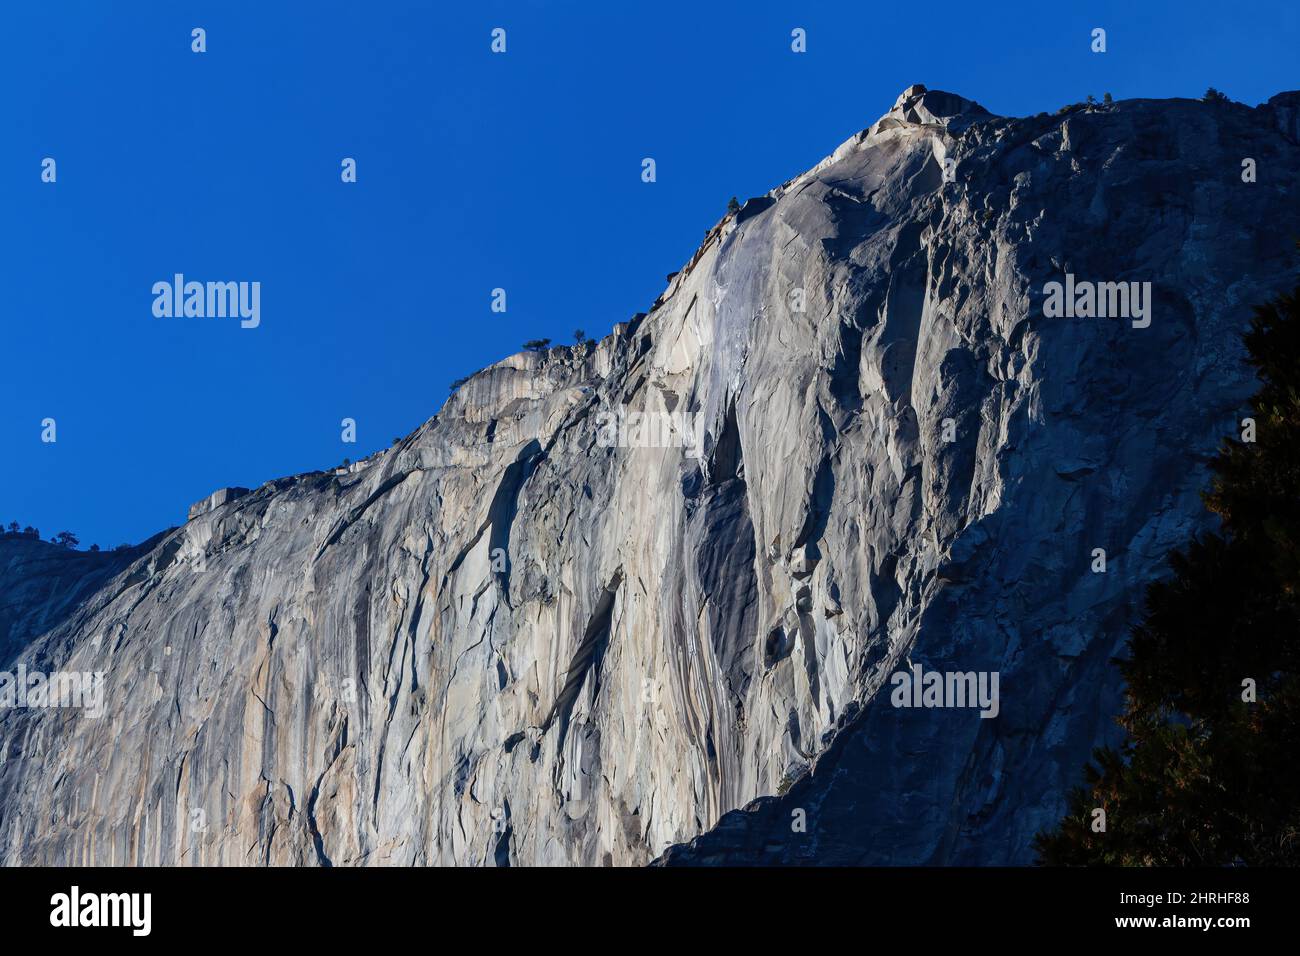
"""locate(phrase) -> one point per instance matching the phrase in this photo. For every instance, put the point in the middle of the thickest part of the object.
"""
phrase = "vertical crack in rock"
(723, 557)
(505, 504)
(586, 661)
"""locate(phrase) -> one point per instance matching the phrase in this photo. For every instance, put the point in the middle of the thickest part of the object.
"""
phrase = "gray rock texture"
(502, 641)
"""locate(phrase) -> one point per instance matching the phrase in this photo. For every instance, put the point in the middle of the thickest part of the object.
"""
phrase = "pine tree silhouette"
(1209, 773)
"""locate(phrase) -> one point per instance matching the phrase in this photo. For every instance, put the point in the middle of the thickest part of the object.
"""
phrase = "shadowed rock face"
(500, 642)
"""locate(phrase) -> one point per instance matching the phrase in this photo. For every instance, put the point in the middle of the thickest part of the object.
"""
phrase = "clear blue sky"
(475, 171)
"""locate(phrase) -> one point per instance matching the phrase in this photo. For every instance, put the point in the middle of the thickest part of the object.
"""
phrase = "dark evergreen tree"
(1208, 774)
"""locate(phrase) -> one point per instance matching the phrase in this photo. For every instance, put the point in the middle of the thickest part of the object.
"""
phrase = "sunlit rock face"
(522, 637)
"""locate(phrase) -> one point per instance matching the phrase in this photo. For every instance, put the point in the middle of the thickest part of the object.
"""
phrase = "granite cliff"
(507, 640)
